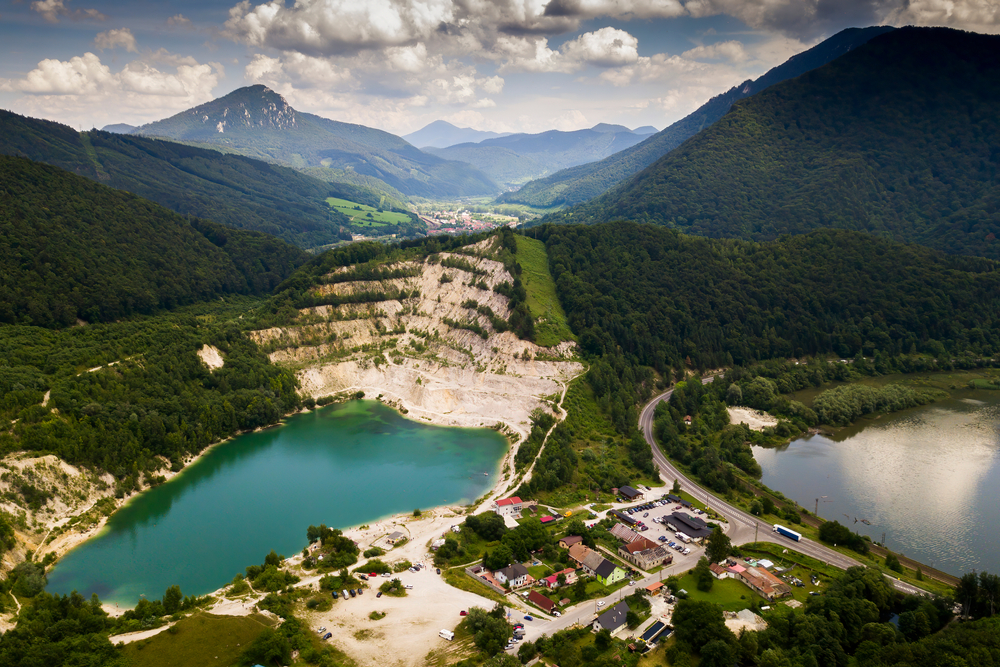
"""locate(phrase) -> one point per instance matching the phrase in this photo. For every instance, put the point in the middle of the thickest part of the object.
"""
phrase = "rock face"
(410, 352)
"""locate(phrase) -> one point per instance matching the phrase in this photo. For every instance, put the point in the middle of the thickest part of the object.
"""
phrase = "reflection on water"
(928, 478)
(342, 465)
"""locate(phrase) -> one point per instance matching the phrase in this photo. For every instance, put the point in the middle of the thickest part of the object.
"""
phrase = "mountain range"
(899, 137)
(257, 122)
(441, 134)
(586, 181)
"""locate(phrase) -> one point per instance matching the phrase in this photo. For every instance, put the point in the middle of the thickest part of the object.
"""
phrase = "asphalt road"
(743, 527)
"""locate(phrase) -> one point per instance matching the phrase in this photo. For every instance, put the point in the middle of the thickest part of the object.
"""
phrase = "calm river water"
(929, 478)
(341, 465)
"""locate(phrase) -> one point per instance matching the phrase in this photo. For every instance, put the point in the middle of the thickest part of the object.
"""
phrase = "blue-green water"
(342, 465)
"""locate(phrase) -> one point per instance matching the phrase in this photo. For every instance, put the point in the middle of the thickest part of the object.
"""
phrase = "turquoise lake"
(342, 465)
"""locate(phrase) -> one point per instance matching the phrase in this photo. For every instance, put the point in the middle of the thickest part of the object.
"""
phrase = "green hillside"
(75, 249)
(501, 164)
(229, 189)
(257, 122)
(899, 137)
(586, 181)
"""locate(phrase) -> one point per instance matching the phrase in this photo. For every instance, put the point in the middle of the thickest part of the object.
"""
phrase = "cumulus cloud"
(976, 15)
(179, 21)
(142, 90)
(51, 10)
(731, 50)
(607, 47)
(114, 38)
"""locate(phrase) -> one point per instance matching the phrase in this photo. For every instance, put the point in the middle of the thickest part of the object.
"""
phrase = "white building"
(508, 507)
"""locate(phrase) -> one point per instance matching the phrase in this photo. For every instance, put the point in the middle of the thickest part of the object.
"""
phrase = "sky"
(500, 65)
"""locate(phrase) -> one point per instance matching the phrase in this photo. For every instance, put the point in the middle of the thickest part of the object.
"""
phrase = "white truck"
(683, 538)
(447, 634)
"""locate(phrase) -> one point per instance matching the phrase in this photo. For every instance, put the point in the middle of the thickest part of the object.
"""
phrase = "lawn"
(193, 638)
(551, 327)
(359, 213)
(459, 579)
(729, 594)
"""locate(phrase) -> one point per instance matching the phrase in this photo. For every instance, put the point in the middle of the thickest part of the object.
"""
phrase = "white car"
(409, 586)
(600, 604)
(556, 614)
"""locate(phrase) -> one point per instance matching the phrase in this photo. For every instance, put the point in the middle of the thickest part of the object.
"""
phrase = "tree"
(698, 623)
(676, 489)
(561, 579)
(172, 599)
(734, 395)
(756, 507)
(269, 648)
(716, 653)
(273, 559)
(632, 619)
(603, 639)
(526, 652)
(892, 562)
(718, 545)
(768, 505)
(500, 558)
(580, 589)
(703, 575)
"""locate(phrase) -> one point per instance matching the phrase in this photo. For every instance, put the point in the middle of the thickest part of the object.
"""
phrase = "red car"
(463, 613)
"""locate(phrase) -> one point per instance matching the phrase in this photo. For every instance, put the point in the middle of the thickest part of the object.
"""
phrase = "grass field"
(359, 213)
(729, 594)
(198, 640)
(551, 327)
(459, 579)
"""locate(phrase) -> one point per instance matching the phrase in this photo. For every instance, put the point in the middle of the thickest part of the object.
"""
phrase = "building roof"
(641, 544)
(614, 618)
(593, 560)
(570, 540)
(578, 552)
(547, 519)
(395, 535)
(605, 569)
(767, 583)
(655, 586)
(629, 492)
(718, 569)
(766, 564)
(540, 600)
(554, 578)
(736, 569)
(656, 553)
(513, 500)
(514, 571)
(624, 533)
(690, 526)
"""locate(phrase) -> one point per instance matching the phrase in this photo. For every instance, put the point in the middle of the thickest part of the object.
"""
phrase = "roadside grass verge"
(460, 580)
(551, 327)
(191, 639)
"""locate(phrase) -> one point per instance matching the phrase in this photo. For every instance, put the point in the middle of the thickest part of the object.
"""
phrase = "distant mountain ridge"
(898, 137)
(542, 153)
(442, 134)
(586, 181)
(257, 122)
(118, 128)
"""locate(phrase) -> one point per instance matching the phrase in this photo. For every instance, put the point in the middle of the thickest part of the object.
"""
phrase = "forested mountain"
(503, 165)
(441, 134)
(899, 137)
(663, 299)
(72, 248)
(586, 181)
(228, 189)
(259, 123)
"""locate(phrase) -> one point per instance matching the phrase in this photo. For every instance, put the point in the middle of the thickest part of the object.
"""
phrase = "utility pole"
(756, 525)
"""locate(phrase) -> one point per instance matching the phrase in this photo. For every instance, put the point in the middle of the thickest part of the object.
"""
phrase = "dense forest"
(586, 181)
(899, 138)
(71, 248)
(228, 189)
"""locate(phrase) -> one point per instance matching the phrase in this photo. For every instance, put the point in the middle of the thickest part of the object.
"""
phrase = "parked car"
(327, 635)
(645, 515)
(438, 570)
(379, 594)
(321, 631)
(463, 613)
(360, 591)
(556, 614)
(528, 618)
(409, 586)
(353, 593)
(662, 538)
(335, 596)
(600, 604)
(387, 574)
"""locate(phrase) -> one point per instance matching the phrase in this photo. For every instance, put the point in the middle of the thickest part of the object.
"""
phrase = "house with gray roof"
(613, 619)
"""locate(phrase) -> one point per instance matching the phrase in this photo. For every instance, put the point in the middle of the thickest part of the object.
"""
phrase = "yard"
(729, 594)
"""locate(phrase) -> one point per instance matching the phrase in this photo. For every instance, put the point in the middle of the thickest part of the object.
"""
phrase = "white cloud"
(976, 15)
(83, 87)
(51, 10)
(607, 47)
(179, 21)
(731, 50)
(113, 38)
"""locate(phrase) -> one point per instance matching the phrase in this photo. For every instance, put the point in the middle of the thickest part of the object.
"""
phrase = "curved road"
(744, 527)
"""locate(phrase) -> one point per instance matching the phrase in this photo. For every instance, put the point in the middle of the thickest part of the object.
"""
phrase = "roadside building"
(578, 552)
(691, 526)
(645, 554)
(395, 538)
(677, 499)
(552, 580)
(654, 588)
(591, 562)
(515, 575)
(508, 507)
(719, 572)
(570, 540)
(624, 533)
(630, 493)
(765, 584)
(622, 516)
(613, 620)
(541, 601)
(608, 573)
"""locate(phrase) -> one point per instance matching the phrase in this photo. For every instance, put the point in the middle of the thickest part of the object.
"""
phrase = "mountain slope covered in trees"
(228, 189)
(586, 181)
(72, 248)
(257, 122)
(899, 137)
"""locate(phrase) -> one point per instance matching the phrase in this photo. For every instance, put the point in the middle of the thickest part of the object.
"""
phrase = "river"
(928, 478)
(341, 465)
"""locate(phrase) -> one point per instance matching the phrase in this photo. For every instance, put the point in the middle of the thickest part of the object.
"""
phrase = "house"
(515, 575)
(624, 533)
(608, 573)
(579, 552)
(569, 541)
(645, 554)
(630, 493)
(693, 527)
(552, 580)
(613, 619)
(719, 572)
(591, 562)
(764, 583)
(687, 420)
(508, 507)
(395, 538)
(541, 601)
